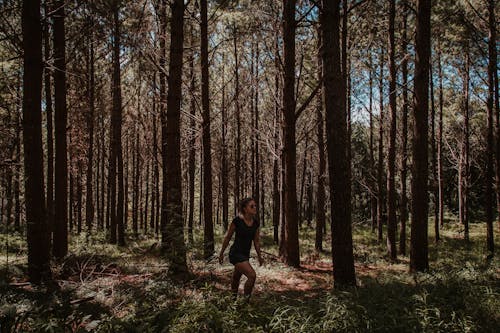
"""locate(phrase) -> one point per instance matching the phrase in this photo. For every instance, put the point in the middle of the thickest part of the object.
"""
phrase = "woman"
(247, 229)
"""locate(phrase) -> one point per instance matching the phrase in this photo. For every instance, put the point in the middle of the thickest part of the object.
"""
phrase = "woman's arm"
(256, 243)
(227, 238)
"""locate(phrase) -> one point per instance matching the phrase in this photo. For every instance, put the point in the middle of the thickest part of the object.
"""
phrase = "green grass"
(129, 291)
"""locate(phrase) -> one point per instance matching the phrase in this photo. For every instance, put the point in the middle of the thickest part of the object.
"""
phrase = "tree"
(419, 260)
(492, 87)
(292, 256)
(89, 206)
(391, 164)
(49, 120)
(404, 148)
(192, 141)
(440, 139)
(207, 153)
(36, 219)
(171, 212)
(60, 240)
(117, 232)
(320, 199)
(336, 130)
(463, 164)
(380, 163)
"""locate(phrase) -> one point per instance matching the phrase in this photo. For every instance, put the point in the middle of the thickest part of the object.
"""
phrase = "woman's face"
(251, 208)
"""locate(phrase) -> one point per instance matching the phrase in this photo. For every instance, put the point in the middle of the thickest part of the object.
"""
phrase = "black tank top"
(244, 236)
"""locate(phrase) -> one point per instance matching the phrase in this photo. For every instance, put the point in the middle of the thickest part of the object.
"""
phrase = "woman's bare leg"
(246, 269)
(235, 282)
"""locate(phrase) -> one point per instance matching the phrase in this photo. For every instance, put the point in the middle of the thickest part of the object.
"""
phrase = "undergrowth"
(105, 288)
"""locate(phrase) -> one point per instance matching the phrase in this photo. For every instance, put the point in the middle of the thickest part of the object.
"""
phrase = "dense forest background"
(367, 132)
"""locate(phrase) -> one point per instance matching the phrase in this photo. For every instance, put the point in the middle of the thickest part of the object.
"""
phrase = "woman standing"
(247, 229)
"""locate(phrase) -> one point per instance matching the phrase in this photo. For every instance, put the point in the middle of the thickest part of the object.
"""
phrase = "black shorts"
(236, 257)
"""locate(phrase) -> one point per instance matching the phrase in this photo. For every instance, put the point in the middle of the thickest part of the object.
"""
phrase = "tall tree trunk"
(464, 158)
(419, 260)
(104, 188)
(276, 159)
(172, 221)
(292, 256)
(208, 239)
(17, 194)
(404, 144)
(391, 158)
(156, 165)
(309, 194)
(373, 182)
(97, 203)
(434, 180)
(252, 114)
(136, 168)
(440, 139)
(146, 200)
(320, 196)
(36, 219)
(192, 140)
(200, 201)
(224, 171)
(303, 181)
(238, 124)
(282, 240)
(60, 246)
(79, 197)
(71, 194)
(492, 67)
(257, 195)
(156, 180)
(338, 163)
(49, 119)
(89, 206)
(380, 169)
(126, 184)
(116, 176)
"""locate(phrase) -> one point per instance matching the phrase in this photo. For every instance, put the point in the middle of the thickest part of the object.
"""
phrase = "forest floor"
(110, 289)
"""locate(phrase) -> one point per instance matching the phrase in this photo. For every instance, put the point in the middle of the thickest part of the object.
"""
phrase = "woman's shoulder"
(236, 219)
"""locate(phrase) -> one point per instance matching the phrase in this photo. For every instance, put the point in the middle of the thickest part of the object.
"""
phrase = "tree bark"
(116, 171)
(136, 168)
(391, 158)
(17, 194)
(172, 221)
(208, 235)
(79, 198)
(320, 196)
(419, 260)
(292, 256)
(60, 245)
(36, 219)
(373, 182)
(89, 206)
(404, 144)
(434, 180)
(224, 166)
(49, 119)
(440, 140)
(464, 155)
(492, 68)
(338, 163)
(276, 159)
(238, 124)
(380, 169)
(192, 140)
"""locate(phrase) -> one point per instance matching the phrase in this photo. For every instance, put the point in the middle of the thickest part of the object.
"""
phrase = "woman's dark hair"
(243, 203)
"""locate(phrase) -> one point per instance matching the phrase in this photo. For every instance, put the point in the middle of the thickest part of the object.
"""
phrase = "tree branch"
(308, 100)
